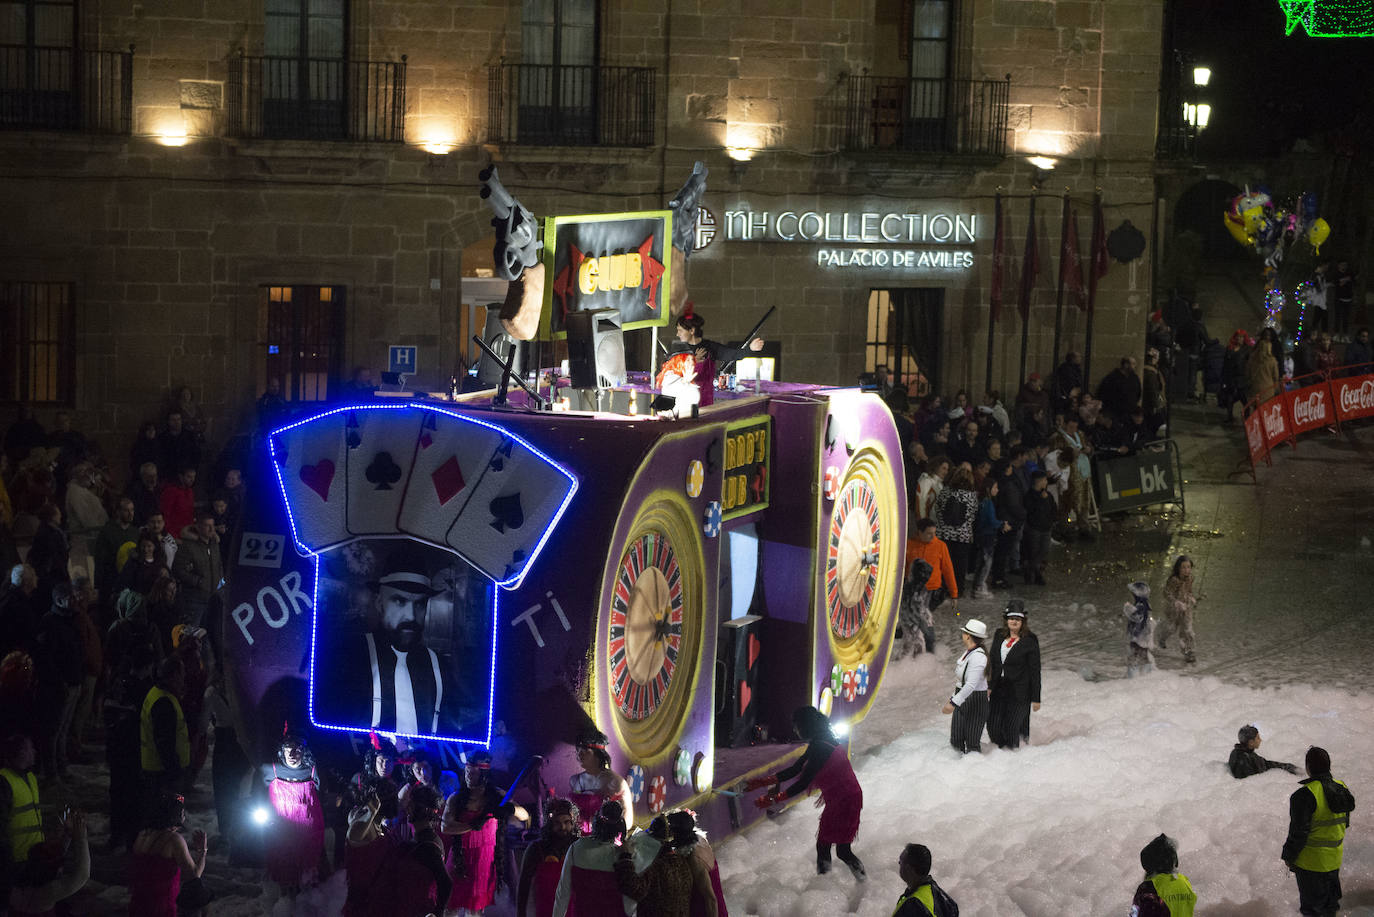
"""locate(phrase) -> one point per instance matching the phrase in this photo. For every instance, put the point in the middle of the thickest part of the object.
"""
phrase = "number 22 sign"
(259, 549)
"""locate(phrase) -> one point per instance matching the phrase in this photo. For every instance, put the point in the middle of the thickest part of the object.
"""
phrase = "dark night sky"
(1268, 90)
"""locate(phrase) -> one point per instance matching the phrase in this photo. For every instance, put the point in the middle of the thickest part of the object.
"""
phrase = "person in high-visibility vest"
(923, 896)
(164, 742)
(21, 825)
(1318, 816)
(1165, 892)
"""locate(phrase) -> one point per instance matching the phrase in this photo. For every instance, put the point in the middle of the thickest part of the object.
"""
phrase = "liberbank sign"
(872, 239)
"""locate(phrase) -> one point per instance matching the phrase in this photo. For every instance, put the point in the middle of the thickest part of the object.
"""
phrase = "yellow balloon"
(1237, 231)
(1317, 233)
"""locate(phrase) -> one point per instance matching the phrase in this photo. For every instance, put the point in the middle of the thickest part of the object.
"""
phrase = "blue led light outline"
(513, 582)
(491, 687)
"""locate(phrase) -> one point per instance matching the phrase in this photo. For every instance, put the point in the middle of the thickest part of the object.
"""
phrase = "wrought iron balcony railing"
(66, 89)
(297, 98)
(956, 116)
(554, 105)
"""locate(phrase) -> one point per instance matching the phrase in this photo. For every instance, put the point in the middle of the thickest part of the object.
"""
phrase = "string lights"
(1273, 307)
(1329, 18)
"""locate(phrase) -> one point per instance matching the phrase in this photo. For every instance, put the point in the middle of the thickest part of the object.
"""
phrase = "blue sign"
(401, 360)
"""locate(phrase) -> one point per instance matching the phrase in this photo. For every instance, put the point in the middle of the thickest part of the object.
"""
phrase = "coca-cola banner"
(1254, 438)
(1274, 419)
(1310, 408)
(1353, 397)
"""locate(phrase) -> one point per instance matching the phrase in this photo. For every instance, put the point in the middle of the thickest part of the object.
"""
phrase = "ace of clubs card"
(380, 449)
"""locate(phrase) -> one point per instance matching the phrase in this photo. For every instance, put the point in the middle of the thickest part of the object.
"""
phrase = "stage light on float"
(260, 815)
(841, 730)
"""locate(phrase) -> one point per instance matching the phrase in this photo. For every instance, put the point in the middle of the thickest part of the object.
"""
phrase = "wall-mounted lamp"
(1197, 115)
(1043, 166)
(740, 157)
(173, 138)
(1201, 76)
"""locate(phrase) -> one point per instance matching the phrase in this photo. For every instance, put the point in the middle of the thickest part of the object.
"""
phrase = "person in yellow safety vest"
(1318, 816)
(923, 896)
(164, 742)
(21, 825)
(1164, 893)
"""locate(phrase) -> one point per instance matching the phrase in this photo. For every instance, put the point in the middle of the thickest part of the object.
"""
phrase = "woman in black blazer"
(1013, 678)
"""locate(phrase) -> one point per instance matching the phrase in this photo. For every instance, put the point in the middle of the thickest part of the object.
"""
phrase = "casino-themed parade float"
(638, 554)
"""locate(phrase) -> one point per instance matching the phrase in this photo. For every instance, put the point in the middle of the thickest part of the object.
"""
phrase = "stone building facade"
(268, 187)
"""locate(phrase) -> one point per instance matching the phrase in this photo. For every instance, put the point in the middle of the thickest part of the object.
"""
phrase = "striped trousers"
(966, 725)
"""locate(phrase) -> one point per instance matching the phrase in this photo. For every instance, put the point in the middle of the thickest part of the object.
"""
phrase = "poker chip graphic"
(836, 678)
(696, 476)
(682, 767)
(711, 519)
(658, 794)
(636, 779)
(850, 684)
(827, 700)
(861, 677)
(832, 481)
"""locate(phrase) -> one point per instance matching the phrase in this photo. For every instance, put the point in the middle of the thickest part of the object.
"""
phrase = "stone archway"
(1199, 209)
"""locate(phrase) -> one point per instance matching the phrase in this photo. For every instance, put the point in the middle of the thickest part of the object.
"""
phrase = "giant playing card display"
(310, 460)
(421, 471)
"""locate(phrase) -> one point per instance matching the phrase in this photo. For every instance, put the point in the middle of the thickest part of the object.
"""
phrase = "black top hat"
(407, 575)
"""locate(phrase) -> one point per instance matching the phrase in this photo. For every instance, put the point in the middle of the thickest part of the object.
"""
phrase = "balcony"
(551, 105)
(64, 89)
(952, 117)
(289, 98)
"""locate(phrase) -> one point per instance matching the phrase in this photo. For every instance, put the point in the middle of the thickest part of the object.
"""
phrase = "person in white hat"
(969, 702)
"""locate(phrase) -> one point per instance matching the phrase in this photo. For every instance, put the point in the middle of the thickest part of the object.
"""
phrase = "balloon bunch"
(1255, 221)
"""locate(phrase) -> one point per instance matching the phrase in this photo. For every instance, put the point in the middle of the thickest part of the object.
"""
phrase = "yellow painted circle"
(696, 476)
(827, 701)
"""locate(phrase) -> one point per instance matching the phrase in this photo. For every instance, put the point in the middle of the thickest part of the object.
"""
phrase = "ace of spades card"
(519, 497)
(310, 460)
(451, 454)
(380, 450)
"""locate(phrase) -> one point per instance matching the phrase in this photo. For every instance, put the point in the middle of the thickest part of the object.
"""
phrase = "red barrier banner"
(1353, 397)
(1310, 408)
(1275, 420)
(1254, 437)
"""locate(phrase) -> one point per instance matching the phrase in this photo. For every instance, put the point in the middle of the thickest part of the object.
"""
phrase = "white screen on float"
(755, 368)
(744, 569)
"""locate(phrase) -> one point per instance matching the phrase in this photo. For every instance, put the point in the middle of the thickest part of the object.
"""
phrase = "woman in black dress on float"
(1013, 678)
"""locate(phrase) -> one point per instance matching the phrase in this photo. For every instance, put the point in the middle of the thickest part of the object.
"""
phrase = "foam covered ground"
(1055, 829)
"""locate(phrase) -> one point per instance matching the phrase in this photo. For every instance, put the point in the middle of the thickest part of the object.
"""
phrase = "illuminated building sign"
(881, 235)
(415, 515)
(609, 261)
(748, 451)
(868, 227)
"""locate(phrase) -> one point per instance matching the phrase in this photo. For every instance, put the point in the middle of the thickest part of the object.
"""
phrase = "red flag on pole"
(1030, 266)
(1098, 257)
(999, 261)
(1071, 264)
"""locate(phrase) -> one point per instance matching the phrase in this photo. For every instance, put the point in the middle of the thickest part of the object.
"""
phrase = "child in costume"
(1140, 631)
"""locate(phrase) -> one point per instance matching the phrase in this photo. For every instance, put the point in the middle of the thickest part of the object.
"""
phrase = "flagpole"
(1059, 296)
(1092, 287)
(994, 288)
(1032, 250)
